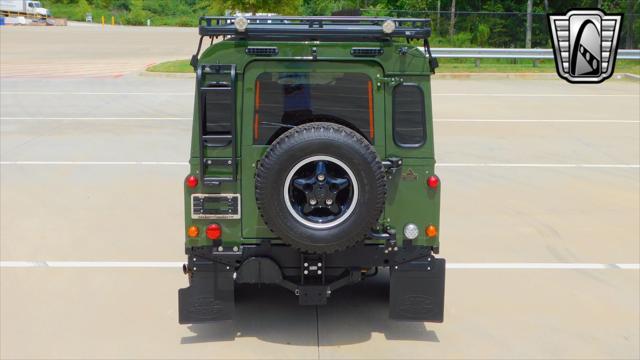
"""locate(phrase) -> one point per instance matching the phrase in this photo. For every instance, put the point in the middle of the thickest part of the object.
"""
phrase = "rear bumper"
(416, 281)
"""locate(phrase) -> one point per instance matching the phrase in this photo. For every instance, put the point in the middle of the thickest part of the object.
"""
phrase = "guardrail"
(534, 54)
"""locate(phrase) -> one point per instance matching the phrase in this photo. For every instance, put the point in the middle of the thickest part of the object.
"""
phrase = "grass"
(175, 66)
(449, 66)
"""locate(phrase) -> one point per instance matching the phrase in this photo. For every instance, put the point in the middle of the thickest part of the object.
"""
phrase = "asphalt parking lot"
(540, 217)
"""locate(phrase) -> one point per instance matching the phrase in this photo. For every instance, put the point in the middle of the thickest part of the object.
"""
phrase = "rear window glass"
(285, 100)
(409, 122)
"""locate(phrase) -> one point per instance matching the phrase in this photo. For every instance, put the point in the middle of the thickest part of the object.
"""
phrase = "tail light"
(433, 181)
(192, 181)
(431, 231)
(214, 231)
(193, 231)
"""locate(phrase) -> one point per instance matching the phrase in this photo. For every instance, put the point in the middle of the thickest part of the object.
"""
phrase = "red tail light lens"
(214, 231)
(433, 181)
(192, 181)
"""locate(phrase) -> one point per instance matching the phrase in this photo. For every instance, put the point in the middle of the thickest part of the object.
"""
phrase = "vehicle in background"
(23, 8)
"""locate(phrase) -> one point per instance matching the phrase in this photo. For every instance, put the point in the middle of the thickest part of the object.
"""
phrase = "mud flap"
(209, 298)
(417, 290)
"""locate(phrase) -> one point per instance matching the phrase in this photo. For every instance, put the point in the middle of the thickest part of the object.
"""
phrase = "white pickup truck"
(23, 8)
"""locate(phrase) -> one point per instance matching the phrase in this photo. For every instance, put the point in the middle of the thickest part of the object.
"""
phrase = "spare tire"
(320, 187)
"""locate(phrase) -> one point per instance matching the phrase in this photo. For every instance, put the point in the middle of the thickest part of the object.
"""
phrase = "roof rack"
(334, 28)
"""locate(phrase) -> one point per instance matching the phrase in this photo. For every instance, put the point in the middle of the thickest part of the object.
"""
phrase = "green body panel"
(409, 198)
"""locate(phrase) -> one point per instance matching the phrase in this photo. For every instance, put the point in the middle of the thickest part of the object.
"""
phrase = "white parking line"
(444, 120)
(158, 163)
(96, 93)
(179, 163)
(191, 94)
(462, 266)
(577, 121)
(91, 118)
(534, 95)
(623, 166)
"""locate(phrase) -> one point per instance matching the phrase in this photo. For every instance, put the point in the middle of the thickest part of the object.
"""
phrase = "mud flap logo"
(585, 44)
(417, 306)
(206, 307)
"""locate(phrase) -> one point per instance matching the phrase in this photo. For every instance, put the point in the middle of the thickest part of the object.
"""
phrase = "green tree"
(290, 7)
(81, 8)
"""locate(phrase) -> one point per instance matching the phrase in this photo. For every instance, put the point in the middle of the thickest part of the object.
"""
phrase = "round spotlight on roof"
(389, 26)
(241, 23)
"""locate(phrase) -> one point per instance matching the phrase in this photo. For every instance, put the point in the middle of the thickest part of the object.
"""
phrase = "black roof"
(334, 28)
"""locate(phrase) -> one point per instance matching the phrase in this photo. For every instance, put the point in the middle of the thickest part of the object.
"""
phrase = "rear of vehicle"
(312, 164)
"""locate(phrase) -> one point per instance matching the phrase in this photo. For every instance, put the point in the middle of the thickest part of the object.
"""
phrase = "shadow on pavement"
(272, 314)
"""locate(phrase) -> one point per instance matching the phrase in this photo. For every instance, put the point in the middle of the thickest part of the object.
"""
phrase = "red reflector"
(214, 231)
(433, 181)
(192, 181)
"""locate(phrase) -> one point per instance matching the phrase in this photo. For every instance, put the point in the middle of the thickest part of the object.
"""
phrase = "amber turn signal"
(192, 181)
(193, 231)
(431, 231)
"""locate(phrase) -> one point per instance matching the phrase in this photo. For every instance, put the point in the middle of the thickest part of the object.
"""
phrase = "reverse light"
(193, 231)
(214, 231)
(431, 231)
(433, 181)
(241, 23)
(192, 181)
(411, 231)
(389, 26)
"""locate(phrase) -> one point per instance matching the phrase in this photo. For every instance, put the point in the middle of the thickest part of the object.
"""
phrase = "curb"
(166, 74)
(630, 76)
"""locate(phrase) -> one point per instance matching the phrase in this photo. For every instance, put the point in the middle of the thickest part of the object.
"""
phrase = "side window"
(285, 100)
(409, 121)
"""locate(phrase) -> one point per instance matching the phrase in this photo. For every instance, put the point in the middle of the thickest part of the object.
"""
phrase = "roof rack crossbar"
(315, 27)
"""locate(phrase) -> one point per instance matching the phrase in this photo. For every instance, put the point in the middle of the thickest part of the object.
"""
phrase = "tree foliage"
(494, 23)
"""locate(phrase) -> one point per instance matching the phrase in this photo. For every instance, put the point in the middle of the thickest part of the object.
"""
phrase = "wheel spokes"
(303, 184)
(338, 183)
(321, 168)
(316, 193)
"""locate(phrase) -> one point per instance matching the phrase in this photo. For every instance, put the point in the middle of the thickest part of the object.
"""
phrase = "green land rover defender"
(312, 163)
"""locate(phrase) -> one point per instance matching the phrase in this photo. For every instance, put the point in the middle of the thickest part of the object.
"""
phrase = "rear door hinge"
(392, 164)
(380, 80)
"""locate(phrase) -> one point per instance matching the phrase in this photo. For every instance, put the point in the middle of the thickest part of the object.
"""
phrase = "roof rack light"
(388, 26)
(241, 23)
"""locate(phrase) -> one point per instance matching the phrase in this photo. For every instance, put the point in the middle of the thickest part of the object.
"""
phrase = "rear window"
(409, 122)
(285, 100)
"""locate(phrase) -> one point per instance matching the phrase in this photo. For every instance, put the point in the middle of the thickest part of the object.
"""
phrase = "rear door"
(409, 131)
(281, 95)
